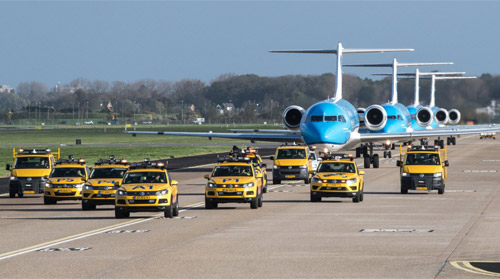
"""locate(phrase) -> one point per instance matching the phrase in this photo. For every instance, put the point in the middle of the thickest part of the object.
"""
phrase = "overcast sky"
(55, 41)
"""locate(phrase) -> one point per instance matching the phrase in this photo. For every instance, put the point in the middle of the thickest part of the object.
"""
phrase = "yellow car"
(66, 181)
(292, 162)
(100, 188)
(256, 161)
(337, 176)
(147, 186)
(234, 180)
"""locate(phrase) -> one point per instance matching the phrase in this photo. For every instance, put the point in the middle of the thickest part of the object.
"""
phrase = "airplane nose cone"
(324, 132)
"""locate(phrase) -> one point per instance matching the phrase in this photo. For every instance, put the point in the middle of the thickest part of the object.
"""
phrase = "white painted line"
(460, 191)
(85, 234)
(64, 249)
(480, 171)
(396, 230)
(4, 195)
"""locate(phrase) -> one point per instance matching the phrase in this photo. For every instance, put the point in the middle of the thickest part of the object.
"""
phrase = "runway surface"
(388, 235)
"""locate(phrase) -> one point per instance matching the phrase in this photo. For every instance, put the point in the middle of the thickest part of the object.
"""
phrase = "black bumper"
(283, 173)
(419, 183)
(334, 194)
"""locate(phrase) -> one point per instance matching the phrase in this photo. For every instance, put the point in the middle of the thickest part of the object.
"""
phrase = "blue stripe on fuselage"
(331, 132)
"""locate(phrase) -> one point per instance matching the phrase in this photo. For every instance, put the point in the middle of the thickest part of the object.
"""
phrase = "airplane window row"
(328, 118)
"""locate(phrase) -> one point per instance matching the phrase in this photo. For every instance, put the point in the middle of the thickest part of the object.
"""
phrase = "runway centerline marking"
(86, 234)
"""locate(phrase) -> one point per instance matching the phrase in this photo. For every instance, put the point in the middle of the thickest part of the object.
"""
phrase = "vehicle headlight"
(247, 185)
(79, 186)
(438, 174)
(211, 185)
(303, 167)
(162, 192)
(405, 174)
(88, 187)
(276, 167)
(351, 181)
(121, 193)
(13, 178)
(48, 184)
(317, 180)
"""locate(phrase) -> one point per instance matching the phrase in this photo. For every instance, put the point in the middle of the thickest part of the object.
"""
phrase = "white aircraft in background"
(330, 125)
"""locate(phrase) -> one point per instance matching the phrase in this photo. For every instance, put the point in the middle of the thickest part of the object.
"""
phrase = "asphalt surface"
(388, 235)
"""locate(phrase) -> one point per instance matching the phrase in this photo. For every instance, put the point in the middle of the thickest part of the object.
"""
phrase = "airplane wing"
(278, 137)
(440, 132)
(266, 131)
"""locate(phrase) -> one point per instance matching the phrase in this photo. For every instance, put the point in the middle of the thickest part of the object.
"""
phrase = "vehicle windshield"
(145, 177)
(32, 163)
(422, 159)
(336, 167)
(292, 153)
(108, 173)
(232, 171)
(68, 172)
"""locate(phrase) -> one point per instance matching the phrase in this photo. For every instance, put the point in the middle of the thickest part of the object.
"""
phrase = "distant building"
(492, 110)
(6, 89)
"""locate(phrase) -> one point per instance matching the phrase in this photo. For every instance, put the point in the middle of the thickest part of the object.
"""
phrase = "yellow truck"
(423, 168)
(29, 172)
(292, 162)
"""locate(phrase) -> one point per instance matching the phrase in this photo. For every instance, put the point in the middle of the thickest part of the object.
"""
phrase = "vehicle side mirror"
(174, 183)
(271, 157)
(398, 163)
(207, 176)
(320, 159)
(263, 166)
(312, 171)
(117, 183)
(7, 167)
(361, 172)
(446, 164)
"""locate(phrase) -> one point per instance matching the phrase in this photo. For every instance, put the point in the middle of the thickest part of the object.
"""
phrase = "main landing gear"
(369, 157)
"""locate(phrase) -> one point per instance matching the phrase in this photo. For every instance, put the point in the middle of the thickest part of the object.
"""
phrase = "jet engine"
(441, 116)
(424, 116)
(375, 117)
(454, 116)
(292, 116)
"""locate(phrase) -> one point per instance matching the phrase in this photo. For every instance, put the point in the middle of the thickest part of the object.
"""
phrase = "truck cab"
(292, 162)
(423, 168)
(29, 170)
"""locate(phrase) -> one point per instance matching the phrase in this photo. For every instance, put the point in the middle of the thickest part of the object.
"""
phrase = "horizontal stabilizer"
(400, 64)
(344, 51)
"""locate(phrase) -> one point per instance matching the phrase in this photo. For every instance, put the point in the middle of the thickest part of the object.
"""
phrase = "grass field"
(102, 141)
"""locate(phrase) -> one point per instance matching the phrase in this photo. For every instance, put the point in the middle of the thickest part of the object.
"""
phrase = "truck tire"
(176, 207)
(48, 200)
(441, 190)
(404, 190)
(315, 198)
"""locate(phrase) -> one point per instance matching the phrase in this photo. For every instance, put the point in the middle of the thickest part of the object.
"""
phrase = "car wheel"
(260, 201)
(276, 181)
(264, 190)
(48, 200)
(121, 213)
(169, 212)
(209, 204)
(12, 194)
(441, 190)
(176, 207)
(85, 206)
(315, 198)
(254, 203)
(361, 194)
(20, 194)
(356, 199)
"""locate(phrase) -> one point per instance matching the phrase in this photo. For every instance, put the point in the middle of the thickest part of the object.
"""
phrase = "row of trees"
(257, 98)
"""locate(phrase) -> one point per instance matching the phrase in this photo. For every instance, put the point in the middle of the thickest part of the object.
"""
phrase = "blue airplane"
(330, 125)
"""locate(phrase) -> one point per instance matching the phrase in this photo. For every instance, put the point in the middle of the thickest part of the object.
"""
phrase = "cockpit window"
(391, 117)
(316, 118)
(400, 117)
(341, 118)
(330, 118)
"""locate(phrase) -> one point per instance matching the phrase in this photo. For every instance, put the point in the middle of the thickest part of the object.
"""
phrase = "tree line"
(256, 98)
